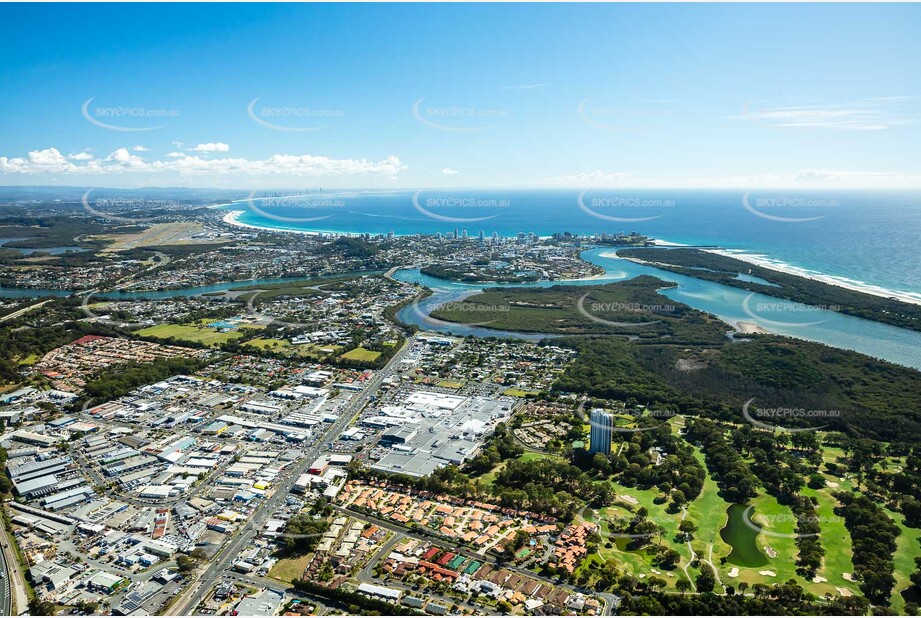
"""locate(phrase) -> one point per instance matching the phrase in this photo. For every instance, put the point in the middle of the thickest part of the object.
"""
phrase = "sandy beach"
(750, 328)
(233, 218)
(842, 282)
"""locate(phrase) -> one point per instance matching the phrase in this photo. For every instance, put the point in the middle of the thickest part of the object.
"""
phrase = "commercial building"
(434, 430)
(265, 603)
(381, 592)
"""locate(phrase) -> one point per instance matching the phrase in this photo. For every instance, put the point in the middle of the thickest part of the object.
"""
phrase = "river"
(732, 305)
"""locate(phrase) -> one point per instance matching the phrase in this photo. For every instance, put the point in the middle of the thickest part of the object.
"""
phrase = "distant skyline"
(248, 96)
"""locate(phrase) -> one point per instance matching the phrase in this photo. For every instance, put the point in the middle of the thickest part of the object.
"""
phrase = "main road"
(198, 589)
(14, 599)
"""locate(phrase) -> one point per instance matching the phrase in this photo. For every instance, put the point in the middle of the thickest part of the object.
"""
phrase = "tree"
(816, 481)
(668, 559)
(38, 607)
(303, 532)
(686, 530)
(186, 564)
(706, 582)
(602, 465)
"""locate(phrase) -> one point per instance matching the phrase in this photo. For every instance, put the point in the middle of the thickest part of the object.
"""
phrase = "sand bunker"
(767, 573)
(844, 592)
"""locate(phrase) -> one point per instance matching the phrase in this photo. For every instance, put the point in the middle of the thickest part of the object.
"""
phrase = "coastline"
(233, 218)
(750, 328)
(755, 259)
(764, 261)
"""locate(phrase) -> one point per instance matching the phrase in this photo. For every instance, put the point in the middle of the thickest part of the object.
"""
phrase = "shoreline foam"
(764, 261)
(755, 259)
(233, 218)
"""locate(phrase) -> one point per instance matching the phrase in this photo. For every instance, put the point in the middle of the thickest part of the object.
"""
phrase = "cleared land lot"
(361, 354)
(199, 334)
(287, 569)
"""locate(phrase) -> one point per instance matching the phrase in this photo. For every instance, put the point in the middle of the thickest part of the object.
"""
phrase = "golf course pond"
(743, 538)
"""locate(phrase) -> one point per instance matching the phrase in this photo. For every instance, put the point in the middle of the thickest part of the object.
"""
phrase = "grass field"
(199, 334)
(288, 569)
(361, 354)
(517, 392)
(836, 541)
(276, 345)
(283, 346)
(909, 548)
(450, 384)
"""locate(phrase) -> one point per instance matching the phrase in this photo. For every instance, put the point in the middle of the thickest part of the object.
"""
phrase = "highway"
(6, 593)
(14, 599)
(24, 310)
(198, 589)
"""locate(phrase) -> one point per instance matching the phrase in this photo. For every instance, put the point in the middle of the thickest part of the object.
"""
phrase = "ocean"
(868, 240)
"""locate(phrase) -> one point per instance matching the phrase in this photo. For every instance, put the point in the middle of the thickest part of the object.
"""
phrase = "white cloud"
(211, 147)
(80, 156)
(140, 149)
(449, 171)
(864, 115)
(126, 160)
(175, 154)
(51, 161)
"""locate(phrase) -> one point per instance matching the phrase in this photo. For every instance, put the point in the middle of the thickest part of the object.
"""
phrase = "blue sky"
(405, 96)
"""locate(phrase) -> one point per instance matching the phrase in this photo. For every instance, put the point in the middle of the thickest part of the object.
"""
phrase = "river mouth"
(731, 305)
(743, 538)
